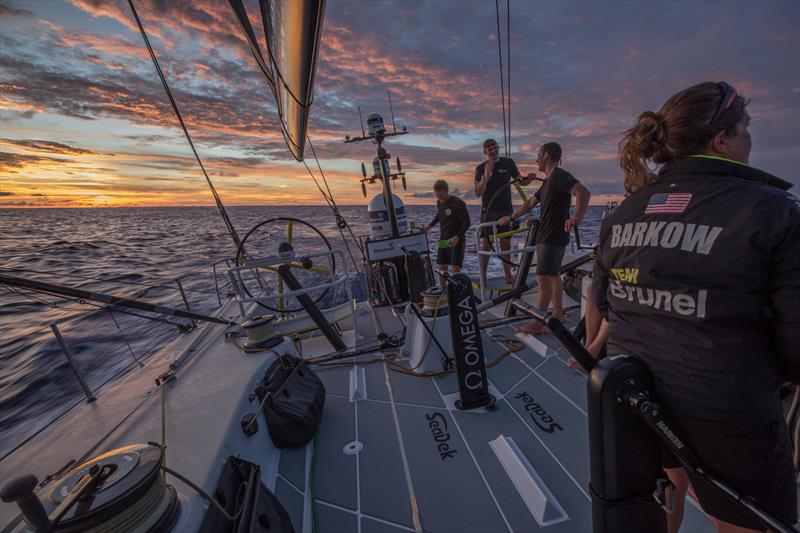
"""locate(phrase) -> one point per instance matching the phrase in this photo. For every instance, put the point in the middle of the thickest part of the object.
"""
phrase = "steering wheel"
(292, 239)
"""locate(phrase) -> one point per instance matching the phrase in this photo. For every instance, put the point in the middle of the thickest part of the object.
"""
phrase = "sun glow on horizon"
(85, 122)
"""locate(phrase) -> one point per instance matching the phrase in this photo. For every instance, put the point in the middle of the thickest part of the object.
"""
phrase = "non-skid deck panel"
(292, 501)
(450, 491)
(384, 492)
(447, 384)
(416, 390)
(569, 382)
(387, 322)
(507, 373)
(335, 472)
(369, 525)
(556, 421)
(292, 466)
(336, 380)
(479, 429)
(333, 520)
(459, 491)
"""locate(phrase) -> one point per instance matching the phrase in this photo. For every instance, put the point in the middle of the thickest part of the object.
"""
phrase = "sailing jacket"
(453, 217)
(699, 273)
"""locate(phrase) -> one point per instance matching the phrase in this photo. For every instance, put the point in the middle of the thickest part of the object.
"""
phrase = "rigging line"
(502, 84)
(37, 300)
(241, 15)
(508, 69)
(217, 199)
(340, 220)
(123, 337)
(335, 207)
(325, 181)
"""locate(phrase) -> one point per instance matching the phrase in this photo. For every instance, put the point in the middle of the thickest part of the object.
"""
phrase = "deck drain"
(352, 448)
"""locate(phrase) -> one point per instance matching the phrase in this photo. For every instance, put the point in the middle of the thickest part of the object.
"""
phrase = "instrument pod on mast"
(379, 216)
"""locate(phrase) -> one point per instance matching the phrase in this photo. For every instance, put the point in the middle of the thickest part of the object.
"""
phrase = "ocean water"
(141, 253)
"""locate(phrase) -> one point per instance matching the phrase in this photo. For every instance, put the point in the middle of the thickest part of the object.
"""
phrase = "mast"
(378, 134)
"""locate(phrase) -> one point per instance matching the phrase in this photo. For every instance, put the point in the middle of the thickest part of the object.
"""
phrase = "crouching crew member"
(701, 269)
(453, 220)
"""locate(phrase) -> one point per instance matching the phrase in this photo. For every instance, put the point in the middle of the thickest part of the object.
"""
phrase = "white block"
(358, 384)
(534, 493)
(533, 343)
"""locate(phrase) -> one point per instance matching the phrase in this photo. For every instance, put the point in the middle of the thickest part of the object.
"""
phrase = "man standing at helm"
(492, 185)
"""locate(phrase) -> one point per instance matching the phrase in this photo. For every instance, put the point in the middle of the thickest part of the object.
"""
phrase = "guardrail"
(252, 270)
(60, 328)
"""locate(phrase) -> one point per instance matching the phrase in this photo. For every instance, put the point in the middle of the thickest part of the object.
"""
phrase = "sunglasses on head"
(728, 96)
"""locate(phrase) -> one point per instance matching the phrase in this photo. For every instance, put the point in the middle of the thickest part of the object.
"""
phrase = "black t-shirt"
(555, 197)
(504, 170)
(453, 217)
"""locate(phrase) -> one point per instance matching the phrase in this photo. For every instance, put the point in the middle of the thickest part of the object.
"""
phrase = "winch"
(261, 333)
(120, 490)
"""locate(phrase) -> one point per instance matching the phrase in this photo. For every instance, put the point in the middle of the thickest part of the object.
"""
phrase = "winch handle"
(20, 491)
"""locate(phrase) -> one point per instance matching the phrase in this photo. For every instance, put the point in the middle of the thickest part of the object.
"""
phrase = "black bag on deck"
(240, 489)
(294, 406)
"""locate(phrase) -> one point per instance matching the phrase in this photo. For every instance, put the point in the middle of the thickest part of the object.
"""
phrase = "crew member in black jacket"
(700, 271)
(453, 220)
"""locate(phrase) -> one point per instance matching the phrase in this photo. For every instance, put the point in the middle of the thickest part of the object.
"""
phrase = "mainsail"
(293, 32)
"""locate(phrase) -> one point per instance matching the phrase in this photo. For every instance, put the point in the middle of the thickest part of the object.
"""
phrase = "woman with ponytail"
(699, 271)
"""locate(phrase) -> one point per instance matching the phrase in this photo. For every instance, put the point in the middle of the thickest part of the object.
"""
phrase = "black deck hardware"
(524, 265)
(627, 489)
(310, 307)
(467, 345)
(621, 482)
(636, 395)
(20, 490)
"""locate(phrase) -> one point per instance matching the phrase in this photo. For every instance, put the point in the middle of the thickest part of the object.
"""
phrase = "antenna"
(381, 166)
(361, 121)
(390, 109)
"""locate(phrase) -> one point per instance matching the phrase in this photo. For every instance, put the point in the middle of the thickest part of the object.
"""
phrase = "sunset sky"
(85, 122)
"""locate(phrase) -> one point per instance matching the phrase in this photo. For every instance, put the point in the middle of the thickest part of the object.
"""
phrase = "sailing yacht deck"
(392, 452)
(417, 451)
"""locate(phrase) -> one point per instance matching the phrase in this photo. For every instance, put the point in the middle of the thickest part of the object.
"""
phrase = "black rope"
(508, 71)
(123, 337)
(502, 84)
(341, 223)
(217, 199)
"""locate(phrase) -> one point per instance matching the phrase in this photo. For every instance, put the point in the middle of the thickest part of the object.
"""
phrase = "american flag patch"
(674, 202)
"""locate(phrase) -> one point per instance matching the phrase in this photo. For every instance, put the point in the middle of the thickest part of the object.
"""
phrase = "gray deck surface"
(467, 491)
